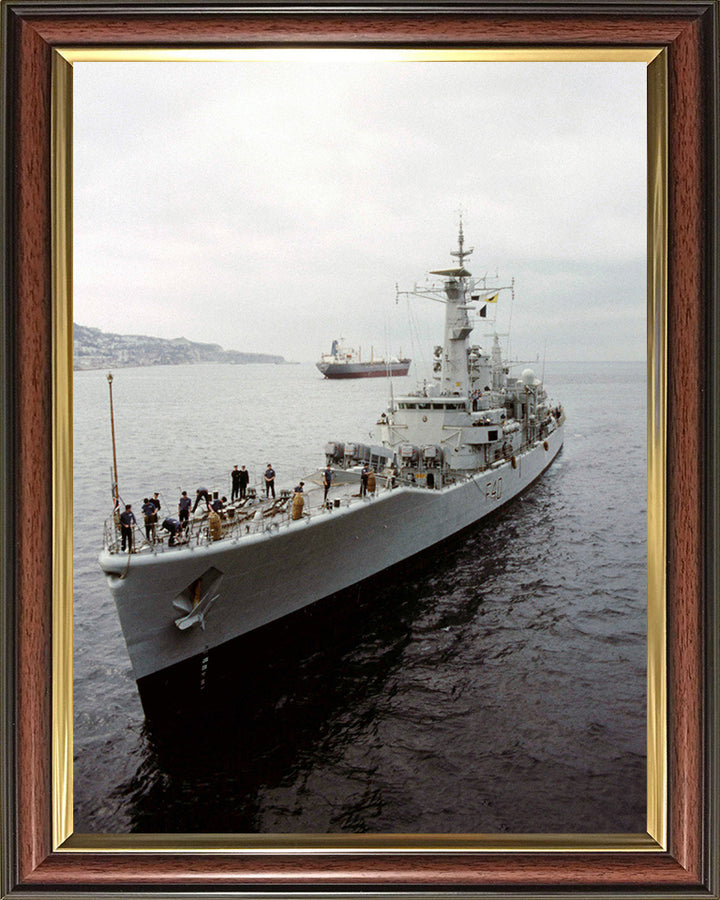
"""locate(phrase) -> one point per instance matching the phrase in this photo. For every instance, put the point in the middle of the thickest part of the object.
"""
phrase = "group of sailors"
(240, 479)
(178, 527)
(175, 527)
(151, 507)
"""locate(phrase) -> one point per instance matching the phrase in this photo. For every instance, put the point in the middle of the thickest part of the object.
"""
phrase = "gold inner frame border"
(63, 838)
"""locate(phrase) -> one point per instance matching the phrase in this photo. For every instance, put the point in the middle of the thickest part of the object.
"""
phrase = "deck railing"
(260, 516)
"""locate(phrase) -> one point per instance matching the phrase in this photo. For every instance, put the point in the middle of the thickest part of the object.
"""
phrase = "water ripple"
(502, 689)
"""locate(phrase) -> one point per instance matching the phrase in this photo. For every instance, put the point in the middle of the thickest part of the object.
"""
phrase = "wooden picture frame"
(684, 863)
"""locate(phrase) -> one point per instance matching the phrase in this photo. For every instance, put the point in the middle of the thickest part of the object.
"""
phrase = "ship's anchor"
(197, 616)
(195, 603)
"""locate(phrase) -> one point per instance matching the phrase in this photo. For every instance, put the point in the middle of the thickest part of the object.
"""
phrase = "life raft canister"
(298, 504)
(215, 526)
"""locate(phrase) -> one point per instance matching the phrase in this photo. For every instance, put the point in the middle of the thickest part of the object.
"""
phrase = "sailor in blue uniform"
(364, 472)
(174, 528)
(270, 481)
(150, 513)
(235, 477)
(184, 509)
(243, 482)
(327, 481)
(201, 494)
(127, 520)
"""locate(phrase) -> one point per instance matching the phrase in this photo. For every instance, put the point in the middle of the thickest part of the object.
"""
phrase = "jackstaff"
(115, 492)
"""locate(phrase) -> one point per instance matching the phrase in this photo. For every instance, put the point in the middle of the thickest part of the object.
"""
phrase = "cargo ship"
(346, 362)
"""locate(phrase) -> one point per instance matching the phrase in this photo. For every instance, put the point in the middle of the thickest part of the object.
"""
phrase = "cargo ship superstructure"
(446, 456)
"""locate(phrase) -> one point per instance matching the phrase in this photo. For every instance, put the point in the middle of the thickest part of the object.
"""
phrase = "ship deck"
(258, 516)
(255, 515)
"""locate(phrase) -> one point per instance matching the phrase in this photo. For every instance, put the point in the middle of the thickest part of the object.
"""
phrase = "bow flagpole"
(115, 491)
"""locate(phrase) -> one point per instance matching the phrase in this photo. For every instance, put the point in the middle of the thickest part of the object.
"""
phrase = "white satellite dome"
(528, 377)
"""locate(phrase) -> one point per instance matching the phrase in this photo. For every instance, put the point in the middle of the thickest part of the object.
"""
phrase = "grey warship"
(446, 456)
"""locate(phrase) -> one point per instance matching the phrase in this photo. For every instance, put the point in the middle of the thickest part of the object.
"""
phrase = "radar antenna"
(460, 253)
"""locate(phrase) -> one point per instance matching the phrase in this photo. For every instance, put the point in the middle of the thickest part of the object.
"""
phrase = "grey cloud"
(212, 198)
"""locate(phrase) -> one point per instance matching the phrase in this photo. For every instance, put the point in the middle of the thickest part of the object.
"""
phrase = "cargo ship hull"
(364, 370)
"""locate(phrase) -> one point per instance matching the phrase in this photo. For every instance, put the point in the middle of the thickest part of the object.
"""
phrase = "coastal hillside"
(96, 349)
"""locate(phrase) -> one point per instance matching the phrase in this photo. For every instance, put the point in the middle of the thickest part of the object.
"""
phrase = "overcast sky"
(271, 207)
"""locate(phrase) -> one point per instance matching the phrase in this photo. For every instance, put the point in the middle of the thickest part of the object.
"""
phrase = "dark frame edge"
(9, 437)
(711, 863)
(8, 444)
(620, 8)
(28, 255)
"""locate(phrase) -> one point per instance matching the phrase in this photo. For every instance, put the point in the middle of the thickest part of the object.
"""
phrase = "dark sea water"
(497, 687)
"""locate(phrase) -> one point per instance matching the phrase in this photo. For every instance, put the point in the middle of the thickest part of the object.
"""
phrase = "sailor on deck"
(327, 481)
(235, 476)
(150, 514)
(364, 472)
(270, 481)
(174, 528)
(201, 494)
(244, 478)
(184, 509)
(127, 520)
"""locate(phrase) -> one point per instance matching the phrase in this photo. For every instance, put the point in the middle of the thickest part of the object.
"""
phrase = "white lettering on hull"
(493, 490)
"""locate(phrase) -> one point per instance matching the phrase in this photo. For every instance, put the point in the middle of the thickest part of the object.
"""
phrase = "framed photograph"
(205, 207)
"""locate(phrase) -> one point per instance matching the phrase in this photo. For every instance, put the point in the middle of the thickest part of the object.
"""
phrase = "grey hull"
(262, 577)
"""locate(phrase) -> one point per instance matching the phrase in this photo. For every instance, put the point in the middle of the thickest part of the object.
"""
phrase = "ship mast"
(460, 253)
(454, 372)
(454, 376)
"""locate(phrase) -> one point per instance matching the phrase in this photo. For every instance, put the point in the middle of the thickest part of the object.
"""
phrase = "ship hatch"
(195, 600)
